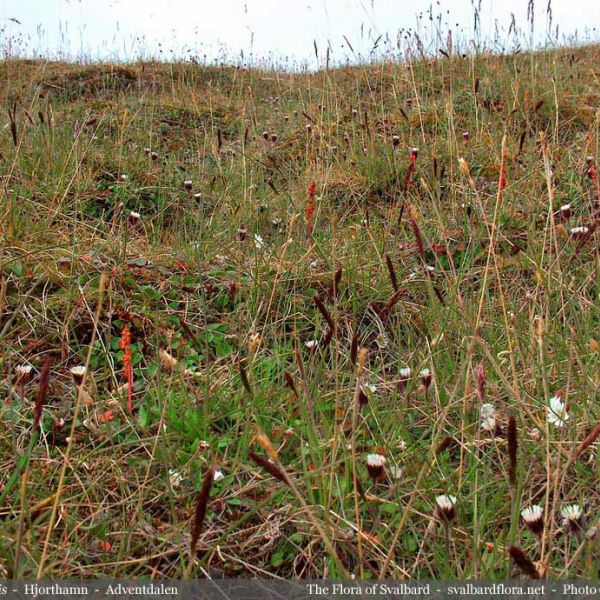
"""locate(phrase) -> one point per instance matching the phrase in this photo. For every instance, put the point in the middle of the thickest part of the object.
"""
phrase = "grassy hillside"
(257, 322)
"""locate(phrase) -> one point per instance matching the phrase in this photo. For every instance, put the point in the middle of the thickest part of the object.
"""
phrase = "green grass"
(512, 290)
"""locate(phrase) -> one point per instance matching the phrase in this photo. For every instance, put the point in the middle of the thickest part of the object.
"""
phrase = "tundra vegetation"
(266, 323)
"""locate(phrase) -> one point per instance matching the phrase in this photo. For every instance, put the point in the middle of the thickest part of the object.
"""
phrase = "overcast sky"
(122, 29)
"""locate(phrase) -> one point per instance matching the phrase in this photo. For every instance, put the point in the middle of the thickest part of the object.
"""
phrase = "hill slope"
(335, 229)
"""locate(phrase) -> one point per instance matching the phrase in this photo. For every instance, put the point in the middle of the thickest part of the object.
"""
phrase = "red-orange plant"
(125, 345)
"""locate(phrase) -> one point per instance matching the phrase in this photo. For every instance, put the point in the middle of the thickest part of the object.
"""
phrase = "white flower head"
(572, 512)
(376, 460)
(135, 215)
(311, 344)
(445, 501)
(405, 372)
(445, 504)
(78, 373)
(557, 412)
(532, 513)
(258, 241)
(579, 231)
(218, 475)
(376, 466)
(23, 370)
(534, 518)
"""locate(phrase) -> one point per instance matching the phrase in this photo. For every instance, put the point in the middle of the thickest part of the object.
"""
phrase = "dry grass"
(218, 292)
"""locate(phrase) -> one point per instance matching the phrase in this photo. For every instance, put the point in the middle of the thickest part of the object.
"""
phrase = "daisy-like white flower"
(579, 231)
(78, 373)
(258, 241)
(311, 344)
(534, 518)
(218, 475)
(445, 510)
(572, 517)
(134, 218)
(405, 374)
(23, 372)
(557, 412)
(376, 466)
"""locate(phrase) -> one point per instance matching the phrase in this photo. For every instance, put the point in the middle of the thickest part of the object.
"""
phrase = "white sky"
(108, 29)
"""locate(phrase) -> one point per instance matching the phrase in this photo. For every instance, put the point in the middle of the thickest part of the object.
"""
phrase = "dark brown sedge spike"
(269, 467)
(289, 380)
(391, 272)
(329, 320)
(588, 441)
(354, 349)
(200, 512)
(418, 238)
(524, 563)
(445, 444)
